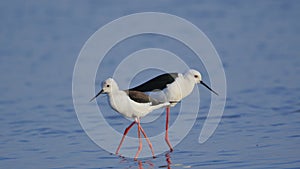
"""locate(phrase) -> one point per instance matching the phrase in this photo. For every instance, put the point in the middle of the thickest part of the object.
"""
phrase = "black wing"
(160, 82)
(141, 97)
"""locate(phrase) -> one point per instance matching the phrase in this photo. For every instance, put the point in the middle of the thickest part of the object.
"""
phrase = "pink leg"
(124, 135)
(167, 127)
(148, 141)
(140, 140)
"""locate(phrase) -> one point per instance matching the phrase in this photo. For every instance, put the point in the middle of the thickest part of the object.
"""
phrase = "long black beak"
(209, 88)
(97, 95)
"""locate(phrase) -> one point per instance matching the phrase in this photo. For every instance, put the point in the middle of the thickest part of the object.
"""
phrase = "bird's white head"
(194, 76)
(109, 85)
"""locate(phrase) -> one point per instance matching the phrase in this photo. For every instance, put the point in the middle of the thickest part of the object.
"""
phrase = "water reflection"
(168, 160)
(151, 165)
(148, 163)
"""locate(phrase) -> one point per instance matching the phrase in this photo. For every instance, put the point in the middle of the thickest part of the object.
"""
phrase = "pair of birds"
(135, 103)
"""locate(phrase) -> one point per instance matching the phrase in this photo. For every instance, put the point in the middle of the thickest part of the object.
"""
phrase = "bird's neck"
(189, 84)
(114, 92)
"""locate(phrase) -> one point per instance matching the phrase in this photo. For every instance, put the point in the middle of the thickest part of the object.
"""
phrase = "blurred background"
(258, 43)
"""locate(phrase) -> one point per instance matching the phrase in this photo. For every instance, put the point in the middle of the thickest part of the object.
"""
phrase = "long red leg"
(124, 135)
(148, 141)
(167, 127)
(140, 140)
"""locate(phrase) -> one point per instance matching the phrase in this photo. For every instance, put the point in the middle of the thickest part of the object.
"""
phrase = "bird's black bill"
(97, 95)
(209, 88)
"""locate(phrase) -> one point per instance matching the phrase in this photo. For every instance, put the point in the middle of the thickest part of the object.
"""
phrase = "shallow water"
(258, 45)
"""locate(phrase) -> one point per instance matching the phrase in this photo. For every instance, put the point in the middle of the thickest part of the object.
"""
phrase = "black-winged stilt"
(133, 104)
(176, 86)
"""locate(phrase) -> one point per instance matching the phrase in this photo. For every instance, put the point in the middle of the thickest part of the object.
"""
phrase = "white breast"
(179, 89)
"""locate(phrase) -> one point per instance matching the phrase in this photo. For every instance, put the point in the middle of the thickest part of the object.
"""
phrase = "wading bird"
(132, 104)
(176, 86)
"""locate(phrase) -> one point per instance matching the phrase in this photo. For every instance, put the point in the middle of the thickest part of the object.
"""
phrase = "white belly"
(120, 102)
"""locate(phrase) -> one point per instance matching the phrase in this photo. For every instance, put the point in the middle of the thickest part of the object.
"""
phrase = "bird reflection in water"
(148, 164)
(151, 165)
(168, 160)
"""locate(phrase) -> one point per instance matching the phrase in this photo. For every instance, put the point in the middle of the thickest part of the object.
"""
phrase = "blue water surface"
(258, 43)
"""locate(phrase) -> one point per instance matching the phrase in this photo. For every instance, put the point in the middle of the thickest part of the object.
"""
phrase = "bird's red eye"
(196, 76)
